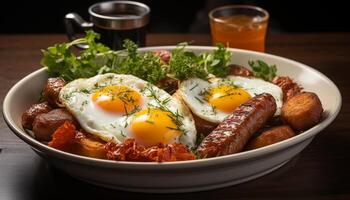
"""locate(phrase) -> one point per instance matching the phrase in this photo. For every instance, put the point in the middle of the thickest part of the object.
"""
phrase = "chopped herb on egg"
(86, 91)
(199, 100)
(122, 133)
(192, 88)
(166, 101)
(213, 108)
(84, 103)
(150, 122)
(176, 117)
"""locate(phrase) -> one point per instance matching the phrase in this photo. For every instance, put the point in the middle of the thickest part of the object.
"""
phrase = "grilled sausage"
(238, 70)
(52, 89)
(271, 136)
(233, 133)
(302, 111)
(29, 115)
(288, 86)
(45, 124)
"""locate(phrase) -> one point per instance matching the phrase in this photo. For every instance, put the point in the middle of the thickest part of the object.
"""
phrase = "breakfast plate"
(181, 176)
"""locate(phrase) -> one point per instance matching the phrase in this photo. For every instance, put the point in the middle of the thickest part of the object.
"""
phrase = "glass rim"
(259, 9)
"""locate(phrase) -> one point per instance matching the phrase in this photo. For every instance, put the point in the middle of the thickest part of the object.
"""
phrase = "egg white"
(191, 91)
(76, 97)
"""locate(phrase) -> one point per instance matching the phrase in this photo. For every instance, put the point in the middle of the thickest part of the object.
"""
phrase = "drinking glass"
(239, 26)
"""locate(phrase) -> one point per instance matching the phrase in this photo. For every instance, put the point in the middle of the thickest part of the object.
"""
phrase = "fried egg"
(116, 107)
(215, 99)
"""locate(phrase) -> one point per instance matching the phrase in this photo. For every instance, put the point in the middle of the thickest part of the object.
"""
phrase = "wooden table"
(321, 171)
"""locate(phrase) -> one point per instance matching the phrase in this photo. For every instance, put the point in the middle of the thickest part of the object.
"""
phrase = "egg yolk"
(226, 98)
(117, 99)
(153, 126)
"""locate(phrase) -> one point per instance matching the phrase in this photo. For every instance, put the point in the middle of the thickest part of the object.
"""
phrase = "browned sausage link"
(271, 136)
(52, 90)
(234, 132)
(29, 115)
(288, 86)
(239, 70)
(168, 84)
(45, 124)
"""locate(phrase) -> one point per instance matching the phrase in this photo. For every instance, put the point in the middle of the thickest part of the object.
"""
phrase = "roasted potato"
(302, 111)
(271, 136)
(88, 145)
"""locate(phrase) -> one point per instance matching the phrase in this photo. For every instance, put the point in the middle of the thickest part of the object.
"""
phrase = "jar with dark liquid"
(115, 21)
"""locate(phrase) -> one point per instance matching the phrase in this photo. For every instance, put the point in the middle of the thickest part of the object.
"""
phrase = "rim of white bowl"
(178, 164)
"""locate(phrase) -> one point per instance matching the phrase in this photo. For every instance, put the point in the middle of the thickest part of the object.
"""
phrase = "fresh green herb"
(86, 91)
(217, 62)
(176, 117)
(122, 133)
(185, 64)
(166, 101)
(84, 103)
(42, 97)
(192, 88)
(150, 122)
(199, 100)
(199, 140)
(213, 108)
(98, 59)
(62, 61)
(67, 96)
(263, 70)
(174, 129)
(146, 66)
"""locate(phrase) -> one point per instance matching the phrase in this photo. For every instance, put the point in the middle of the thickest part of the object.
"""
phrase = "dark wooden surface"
(321, 171)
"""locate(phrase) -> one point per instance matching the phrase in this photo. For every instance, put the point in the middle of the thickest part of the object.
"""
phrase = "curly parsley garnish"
(61, 61)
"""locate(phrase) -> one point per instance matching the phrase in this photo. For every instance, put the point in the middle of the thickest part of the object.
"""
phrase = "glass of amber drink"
(239, 26)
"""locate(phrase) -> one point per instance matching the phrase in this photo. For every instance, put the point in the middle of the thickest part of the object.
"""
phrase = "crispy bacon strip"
(67, 138)
(129, 150)
(63, 137)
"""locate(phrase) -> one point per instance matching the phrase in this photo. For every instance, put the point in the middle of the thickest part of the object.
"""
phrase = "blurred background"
(180, 16)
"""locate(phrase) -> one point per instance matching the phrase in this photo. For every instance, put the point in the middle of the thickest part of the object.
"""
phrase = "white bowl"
(186, 176)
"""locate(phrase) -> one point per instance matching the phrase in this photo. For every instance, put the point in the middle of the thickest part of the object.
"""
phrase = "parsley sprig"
(263, 70)
(62, 61)
(186, 64)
